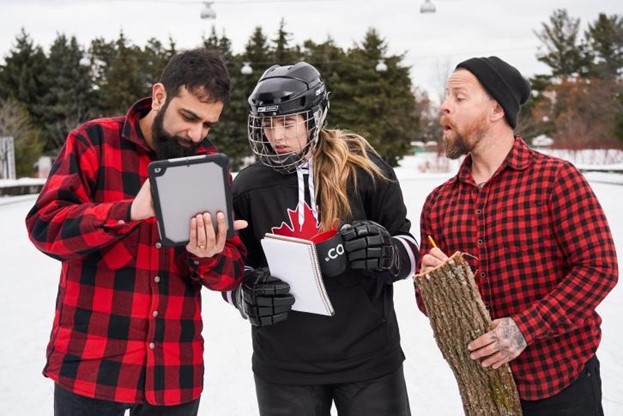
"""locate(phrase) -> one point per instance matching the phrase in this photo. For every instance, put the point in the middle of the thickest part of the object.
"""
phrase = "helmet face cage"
(286, 91)
(259, 125)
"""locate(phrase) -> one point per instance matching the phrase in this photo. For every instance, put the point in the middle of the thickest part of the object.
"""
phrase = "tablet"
(186, 186)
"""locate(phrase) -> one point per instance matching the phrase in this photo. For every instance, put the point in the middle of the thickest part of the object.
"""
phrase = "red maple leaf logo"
(307, 230)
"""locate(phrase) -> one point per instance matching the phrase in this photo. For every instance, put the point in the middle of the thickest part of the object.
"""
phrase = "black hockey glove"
(262, 298)
(369, 246)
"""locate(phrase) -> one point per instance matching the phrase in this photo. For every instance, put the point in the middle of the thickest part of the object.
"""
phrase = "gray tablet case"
(186, 186)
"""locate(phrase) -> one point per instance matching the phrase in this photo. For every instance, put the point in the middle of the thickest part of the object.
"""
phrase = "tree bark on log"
(458, 316)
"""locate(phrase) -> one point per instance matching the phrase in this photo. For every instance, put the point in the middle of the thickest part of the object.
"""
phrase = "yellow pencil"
(432, 242)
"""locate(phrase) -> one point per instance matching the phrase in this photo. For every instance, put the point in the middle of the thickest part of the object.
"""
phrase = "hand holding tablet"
(188, 193)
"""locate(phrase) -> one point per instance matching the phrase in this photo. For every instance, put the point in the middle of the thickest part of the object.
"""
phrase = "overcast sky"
(432, 43)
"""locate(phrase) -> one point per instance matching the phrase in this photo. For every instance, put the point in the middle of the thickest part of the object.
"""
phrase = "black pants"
(67, 403)
(580, 398)
(386, 395)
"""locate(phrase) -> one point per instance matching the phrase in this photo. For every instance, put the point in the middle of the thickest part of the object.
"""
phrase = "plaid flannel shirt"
(128, 322)
(544, 256)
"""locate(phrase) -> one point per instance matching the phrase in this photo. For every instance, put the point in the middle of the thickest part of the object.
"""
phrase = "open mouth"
(445, 125)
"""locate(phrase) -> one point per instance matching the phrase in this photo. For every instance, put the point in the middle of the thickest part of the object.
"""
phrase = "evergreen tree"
(63, 90)
(68, 99)
(605, 38)
(154, 57)
(282, 52)
(257, 53)
(379, 105)
(21, 77)
(100, 55)
(327, 58)
(230, 133)
(563, 51)
(331, 62)
(118, 74)
(532, 120)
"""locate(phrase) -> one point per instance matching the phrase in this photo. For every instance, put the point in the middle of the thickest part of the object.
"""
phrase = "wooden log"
(458, 316)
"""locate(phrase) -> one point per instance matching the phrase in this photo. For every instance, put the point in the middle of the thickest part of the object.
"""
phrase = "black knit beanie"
(502, 81)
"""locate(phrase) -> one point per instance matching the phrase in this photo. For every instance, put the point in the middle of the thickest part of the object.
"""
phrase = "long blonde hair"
(336, 159)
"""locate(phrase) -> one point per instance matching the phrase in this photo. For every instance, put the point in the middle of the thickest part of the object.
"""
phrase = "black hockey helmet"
(283, 91)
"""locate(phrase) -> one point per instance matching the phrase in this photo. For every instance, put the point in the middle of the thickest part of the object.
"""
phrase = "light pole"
(246, 69)
(427, 7)
(381, 66)
(208, 12)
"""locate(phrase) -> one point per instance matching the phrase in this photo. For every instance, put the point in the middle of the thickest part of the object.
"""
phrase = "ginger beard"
(460, 141)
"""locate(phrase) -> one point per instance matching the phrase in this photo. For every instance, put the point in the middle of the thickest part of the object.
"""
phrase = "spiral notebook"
(295, 261)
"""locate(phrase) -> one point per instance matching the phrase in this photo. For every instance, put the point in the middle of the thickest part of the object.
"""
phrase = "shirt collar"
(519, 158)
(131, 127)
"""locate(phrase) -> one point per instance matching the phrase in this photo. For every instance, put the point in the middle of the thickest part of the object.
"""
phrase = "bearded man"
(127, 328)
(539, 243)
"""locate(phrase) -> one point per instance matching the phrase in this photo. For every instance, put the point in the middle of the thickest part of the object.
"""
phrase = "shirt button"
(152, 345)
(483, 275)
(155, 313)
(157, 279)
(121, 222)
(480, 241)
(478, 211)
(158, 245)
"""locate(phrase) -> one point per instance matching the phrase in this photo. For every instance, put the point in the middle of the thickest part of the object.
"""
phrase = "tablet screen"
(187, 186)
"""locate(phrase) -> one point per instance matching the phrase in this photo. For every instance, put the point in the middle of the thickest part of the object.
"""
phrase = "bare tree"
(15, 121)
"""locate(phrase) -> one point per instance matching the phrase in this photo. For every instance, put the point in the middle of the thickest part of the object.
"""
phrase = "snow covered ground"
(28, 291)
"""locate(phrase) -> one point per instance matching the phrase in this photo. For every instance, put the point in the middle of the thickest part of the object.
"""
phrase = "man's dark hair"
(201, 71)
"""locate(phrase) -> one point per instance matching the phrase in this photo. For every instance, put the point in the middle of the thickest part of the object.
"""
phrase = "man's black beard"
(167, 146)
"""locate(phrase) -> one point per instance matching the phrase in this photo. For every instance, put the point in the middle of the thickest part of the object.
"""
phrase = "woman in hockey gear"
(308, 180)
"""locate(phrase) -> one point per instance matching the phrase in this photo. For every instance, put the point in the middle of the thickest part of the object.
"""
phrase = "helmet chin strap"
(319, 119)
(322, 117)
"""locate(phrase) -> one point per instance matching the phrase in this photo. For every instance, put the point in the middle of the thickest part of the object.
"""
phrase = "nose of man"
(196, 132)
(445, 107)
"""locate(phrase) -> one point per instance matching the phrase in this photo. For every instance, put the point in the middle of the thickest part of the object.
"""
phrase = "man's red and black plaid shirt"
(128, 322)
(543, 255)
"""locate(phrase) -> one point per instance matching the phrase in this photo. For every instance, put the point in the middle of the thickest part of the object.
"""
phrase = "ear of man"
(497, 113)
(158, 96)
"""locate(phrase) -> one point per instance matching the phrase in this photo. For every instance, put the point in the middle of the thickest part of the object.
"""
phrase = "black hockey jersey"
(361, 341)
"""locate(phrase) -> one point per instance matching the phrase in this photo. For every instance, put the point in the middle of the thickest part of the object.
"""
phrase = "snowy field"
(28, 291)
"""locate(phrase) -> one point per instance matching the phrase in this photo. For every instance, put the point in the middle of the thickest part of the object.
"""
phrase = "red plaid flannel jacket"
(128, 314)
(544, 256)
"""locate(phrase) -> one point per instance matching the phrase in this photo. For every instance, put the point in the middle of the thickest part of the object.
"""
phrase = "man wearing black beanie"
(502, 81)
(540, 245)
